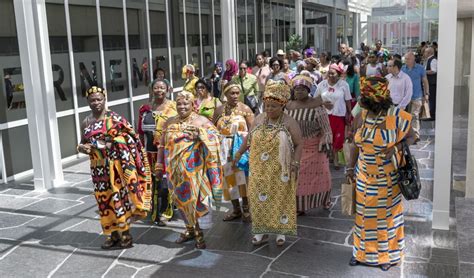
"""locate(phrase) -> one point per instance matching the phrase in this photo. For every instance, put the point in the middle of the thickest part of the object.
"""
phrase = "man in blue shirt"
(421, 94)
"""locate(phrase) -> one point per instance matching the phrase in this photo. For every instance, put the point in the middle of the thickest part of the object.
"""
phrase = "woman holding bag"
(381, 128)
(248, 85)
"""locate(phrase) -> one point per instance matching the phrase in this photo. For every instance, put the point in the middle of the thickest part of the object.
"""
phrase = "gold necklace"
(184, 123)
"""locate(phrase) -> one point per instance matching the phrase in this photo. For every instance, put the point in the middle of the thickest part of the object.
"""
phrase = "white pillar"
(229, 43)
(35, 55)
(299, 17)
(470, 131)
(444, 119)
(356, 31)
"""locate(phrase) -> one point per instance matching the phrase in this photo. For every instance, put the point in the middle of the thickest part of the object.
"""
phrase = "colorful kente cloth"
(314, 178)
(232, 129)
(121, 174)
(152, 126)
(271, 191)
(193, 169)
(378, 232)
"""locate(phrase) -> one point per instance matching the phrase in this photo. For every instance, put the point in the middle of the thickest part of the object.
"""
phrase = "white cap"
(280, 52)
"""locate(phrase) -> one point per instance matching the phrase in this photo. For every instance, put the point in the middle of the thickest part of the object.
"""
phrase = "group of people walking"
(262, 138)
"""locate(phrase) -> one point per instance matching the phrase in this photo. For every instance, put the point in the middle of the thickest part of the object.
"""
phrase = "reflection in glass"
(193, 36)
(12, 104)
(59, 56)
(138, 42)
(218, 35)
(113, 39)
(85, 43)
(178, 52)
(159, 43)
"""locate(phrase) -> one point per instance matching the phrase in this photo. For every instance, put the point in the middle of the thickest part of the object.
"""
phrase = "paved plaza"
(57, 234)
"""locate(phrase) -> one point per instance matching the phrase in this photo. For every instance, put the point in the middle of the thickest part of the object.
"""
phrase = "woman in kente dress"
(233, 121)
(275, 144)
(119, 169)
(152, 121)
(189, 151)
(314, 179)
(378, 231)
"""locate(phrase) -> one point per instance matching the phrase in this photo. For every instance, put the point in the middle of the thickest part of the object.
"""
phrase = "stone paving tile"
(466, 270)
(429, 270)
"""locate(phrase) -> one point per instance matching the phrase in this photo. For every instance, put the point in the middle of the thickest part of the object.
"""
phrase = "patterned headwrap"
(231, 85)
(188, 96)
(95, 89)
(277, 91)
(187, 69)
(303, 80)
(340, 68)
(374, 88)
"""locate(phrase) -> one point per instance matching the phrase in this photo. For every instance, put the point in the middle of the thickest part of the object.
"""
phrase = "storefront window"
(85, 41)
(193, 35)
(218, 35)
(178, 51)
(159, 40)
(13, 105)
(207, 37)
(138, 42)
(113, 39)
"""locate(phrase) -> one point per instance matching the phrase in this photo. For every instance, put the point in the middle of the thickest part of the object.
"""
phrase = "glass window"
(138, 42)
(217, 21)
(267, 27)
(17, 150)
(340, 29)
(193, 35)
(207, 37)
(159, 39)
(178, 51)
(241, 29)
(59, 56)
(85, 41)
(113, 40)
(12, 104)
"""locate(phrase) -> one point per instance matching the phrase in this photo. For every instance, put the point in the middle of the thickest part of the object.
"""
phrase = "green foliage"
(295, 42)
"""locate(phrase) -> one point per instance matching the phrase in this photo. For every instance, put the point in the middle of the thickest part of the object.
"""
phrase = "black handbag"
(250, 101)
(409, 177)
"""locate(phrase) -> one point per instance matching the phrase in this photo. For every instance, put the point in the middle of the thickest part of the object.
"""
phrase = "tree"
(295, 42)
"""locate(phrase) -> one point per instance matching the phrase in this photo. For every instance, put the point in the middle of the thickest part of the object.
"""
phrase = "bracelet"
(159, 166)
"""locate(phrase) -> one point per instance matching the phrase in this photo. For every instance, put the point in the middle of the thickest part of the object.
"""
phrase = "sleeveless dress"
(271, 189)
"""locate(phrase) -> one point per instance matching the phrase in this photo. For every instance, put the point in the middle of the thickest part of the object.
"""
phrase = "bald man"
(431, 67)
(420, 94)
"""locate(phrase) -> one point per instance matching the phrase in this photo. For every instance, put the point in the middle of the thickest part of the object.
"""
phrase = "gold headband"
(229, 86)
(95, 89)
(277, 91)
(188, 96)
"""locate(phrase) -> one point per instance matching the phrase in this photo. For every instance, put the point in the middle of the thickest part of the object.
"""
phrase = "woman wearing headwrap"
(381, 127)
(336, 90)
(188, 74)
(119, 169)
(233, 121)
(216, 79)
(150, 122)
(275, 143)
(231, 69)
(314, 179)
(189, 152)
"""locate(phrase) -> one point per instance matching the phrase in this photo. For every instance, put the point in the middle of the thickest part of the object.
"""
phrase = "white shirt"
(434, 64)
(374, 70)
(401, 89)
(337, 95)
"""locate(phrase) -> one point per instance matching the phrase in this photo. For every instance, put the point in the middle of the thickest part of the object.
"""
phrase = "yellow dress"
(271, 190)
(232, 128)
(378, 231)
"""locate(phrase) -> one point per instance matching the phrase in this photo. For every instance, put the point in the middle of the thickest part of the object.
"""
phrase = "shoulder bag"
(409, 177)
(250, 101)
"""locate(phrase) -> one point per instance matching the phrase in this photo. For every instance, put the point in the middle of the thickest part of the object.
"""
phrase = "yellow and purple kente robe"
(120, 174)
(193, 168)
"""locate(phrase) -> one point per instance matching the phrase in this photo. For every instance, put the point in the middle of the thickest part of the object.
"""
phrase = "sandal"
(160, 223)
(246, 217)
(111, 241)
(280, 240)
(385, 267)
(259, 239)
(353, 261)
(200, 244)
(236, 214)
(126, 241)
(186, 236)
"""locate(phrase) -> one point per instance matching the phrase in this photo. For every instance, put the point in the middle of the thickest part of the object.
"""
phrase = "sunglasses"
(276, 64)
(200, 87)
(243, 68)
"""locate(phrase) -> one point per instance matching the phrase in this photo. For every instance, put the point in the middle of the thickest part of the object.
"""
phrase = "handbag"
(348, 199)
(250, 101)
(409, 177)
(425, 111)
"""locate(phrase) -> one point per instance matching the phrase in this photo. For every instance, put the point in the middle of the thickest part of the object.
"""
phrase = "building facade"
(51, 51)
